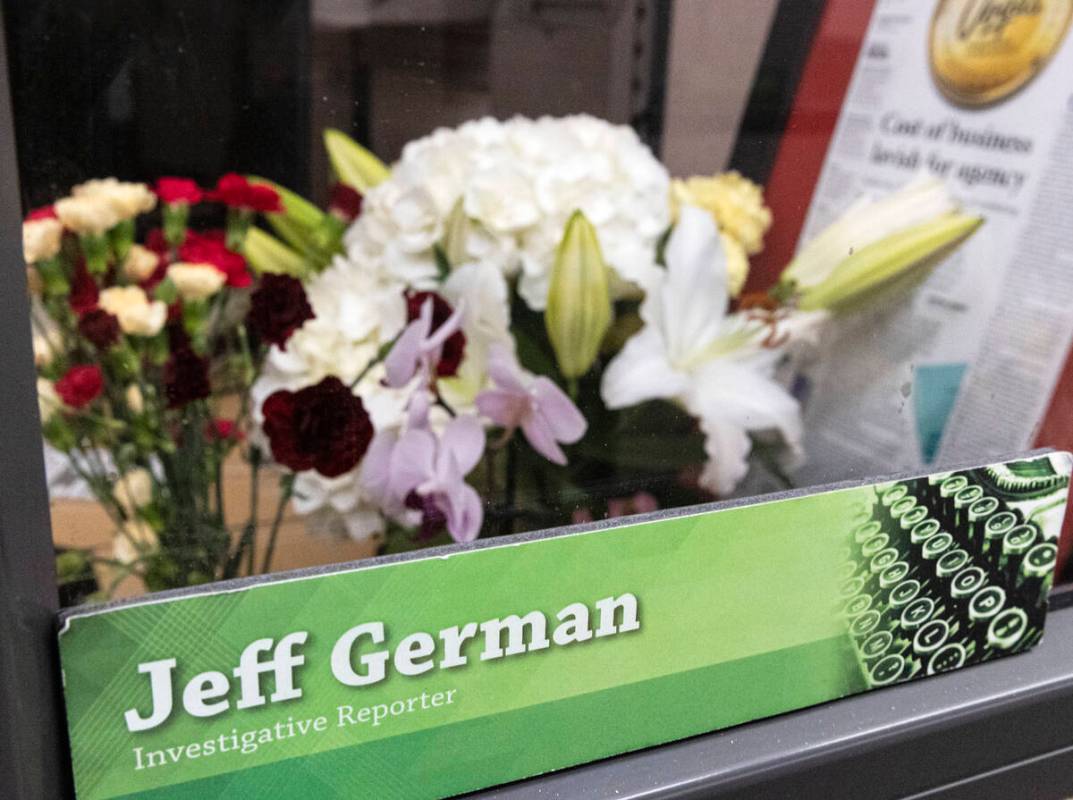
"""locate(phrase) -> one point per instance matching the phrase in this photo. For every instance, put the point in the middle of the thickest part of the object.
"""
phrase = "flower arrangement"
(519, 324)
(524, 317)
(145, 353)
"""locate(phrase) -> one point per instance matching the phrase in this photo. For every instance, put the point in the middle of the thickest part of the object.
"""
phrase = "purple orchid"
(420, 346)
(417, 471)
(533, 403)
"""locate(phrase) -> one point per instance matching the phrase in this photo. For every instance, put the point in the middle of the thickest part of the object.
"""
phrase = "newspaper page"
(963, 364)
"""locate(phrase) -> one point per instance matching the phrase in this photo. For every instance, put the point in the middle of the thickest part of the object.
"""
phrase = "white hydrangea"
(517, 182)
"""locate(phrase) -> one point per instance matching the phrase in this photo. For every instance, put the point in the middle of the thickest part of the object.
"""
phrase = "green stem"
(287, 485)
(510, 489)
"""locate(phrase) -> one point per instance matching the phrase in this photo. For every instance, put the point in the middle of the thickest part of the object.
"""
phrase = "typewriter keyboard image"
(951, 569)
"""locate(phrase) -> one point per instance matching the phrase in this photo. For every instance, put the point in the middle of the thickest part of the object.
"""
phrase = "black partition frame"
(33, 746)
(1001, 730)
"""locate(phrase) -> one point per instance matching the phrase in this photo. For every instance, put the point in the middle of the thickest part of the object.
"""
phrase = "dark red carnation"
(278, 308)
(455, 345)
(178, 190)
(84, 292)
(45, 212)
(322, 427)
(100, 327)
(155, 241)
(345, 202)
(80, 385)
(209, 248)
(186, 377)
(235, 191)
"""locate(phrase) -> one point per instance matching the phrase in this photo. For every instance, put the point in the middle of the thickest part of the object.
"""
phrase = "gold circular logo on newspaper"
(985, 50)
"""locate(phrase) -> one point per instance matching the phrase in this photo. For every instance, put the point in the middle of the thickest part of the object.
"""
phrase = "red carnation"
(186, 377)
(235, 191)
(100, 327)
(345, 202)
(80, 385)
(278, 308)
(84, 292)
(45, 212)
(323, 427)
(178, 190)
(222, 430)
(209, 248)
(455, 345)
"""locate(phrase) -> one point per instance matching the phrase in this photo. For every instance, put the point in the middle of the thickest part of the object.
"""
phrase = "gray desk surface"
(952, 735)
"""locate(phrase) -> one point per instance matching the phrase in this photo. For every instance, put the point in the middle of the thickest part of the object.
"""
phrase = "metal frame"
(999, 730)
(33, 747)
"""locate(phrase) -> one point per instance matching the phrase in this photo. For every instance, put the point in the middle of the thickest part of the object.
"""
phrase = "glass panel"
(372, 284)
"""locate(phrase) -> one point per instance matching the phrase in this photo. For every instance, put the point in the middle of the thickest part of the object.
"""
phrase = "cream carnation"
(88, 214)
(134, 398)
(135, 540)
(734, 201)
(125, 199)
(196, 281)
(48, 401)
(44, 350)
(134, 489)
(136, 314)
(140, 263)
(41, 239)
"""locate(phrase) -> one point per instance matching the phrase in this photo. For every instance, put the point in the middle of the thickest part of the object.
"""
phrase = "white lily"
(875, 241)
(865, 222)
(720, 367)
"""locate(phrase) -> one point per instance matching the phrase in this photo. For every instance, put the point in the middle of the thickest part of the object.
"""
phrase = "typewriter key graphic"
(951, 569)
(986, 603)
(887, 670)
(948, 657)
(904, 593)
(877, 644)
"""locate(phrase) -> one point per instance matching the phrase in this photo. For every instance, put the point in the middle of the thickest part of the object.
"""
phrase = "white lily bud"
(579, 298)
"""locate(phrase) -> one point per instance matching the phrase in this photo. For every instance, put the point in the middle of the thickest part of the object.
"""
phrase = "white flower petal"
(641, 372)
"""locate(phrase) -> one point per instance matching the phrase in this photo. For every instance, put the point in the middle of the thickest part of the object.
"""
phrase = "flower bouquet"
(519, 325)
(145, 353)
(526, 323)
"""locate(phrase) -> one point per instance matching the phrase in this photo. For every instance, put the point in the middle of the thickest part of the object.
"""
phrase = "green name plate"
(468, 667)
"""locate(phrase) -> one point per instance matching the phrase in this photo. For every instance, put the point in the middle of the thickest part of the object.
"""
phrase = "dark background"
(143, 88)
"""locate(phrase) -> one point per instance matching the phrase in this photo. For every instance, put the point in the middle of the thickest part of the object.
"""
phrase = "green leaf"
(352, 163)
(443, 266)
(166, 291)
